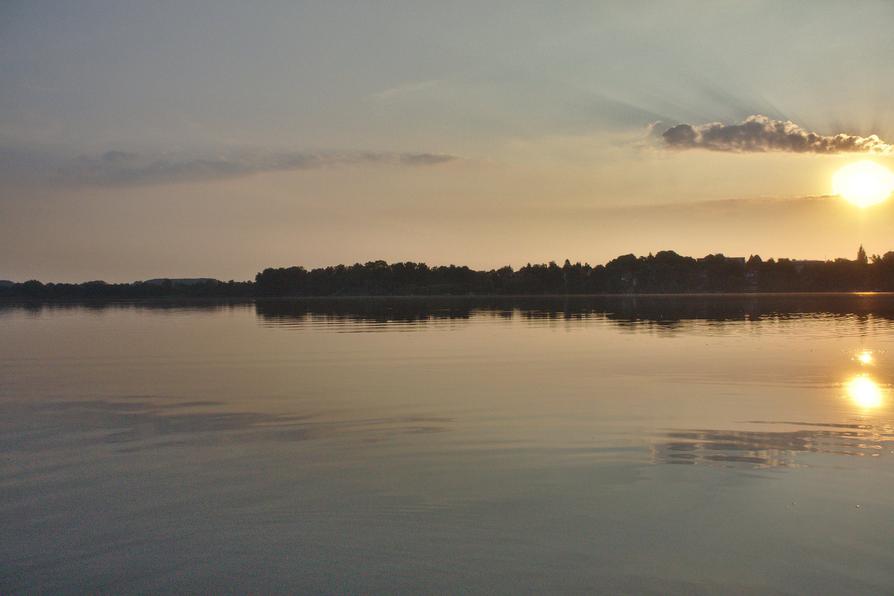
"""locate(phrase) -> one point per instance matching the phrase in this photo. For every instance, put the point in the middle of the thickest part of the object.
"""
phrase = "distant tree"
(33, 289)
(861, 256)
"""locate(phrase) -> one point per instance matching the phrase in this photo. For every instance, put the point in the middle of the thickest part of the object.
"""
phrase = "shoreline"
(380, 297)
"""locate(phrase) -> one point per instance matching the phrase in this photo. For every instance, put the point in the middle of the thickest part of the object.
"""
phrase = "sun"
(863, 183)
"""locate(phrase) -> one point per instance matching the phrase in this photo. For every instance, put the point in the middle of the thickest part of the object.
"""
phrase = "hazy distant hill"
(5, 283)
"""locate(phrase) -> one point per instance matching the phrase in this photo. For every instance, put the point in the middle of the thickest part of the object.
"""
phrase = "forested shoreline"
(663, 272)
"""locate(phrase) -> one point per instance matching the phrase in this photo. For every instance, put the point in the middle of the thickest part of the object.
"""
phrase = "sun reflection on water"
(858, 426)
(865, 357)
(864, 392)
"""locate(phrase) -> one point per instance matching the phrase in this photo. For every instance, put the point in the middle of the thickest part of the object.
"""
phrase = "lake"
(692, 445)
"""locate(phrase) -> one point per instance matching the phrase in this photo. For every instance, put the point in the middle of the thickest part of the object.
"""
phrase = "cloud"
(406, 89)
(760, 134)
(424, 159)
(125, 168)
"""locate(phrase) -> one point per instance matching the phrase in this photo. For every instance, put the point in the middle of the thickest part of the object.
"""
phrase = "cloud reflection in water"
(772, 449)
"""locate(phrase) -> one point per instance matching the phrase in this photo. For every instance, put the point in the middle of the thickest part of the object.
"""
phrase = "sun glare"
(863, 183)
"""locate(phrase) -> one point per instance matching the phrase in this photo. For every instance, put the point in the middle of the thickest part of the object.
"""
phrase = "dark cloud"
(125, 168)
(760, 134)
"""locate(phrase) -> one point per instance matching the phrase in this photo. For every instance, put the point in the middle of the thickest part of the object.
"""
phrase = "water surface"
(651, 445)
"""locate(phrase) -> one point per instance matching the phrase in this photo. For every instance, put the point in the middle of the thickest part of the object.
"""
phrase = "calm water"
(653, 446)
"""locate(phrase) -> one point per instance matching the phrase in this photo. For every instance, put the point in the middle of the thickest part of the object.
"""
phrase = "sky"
(217, 138)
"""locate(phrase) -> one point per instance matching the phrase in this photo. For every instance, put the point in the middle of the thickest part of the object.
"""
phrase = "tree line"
(663, 272)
